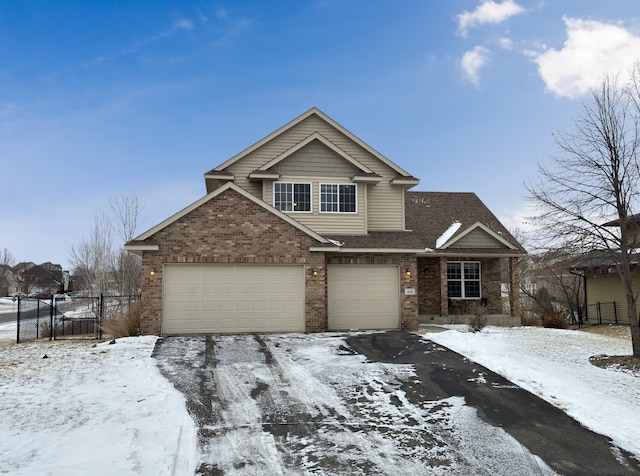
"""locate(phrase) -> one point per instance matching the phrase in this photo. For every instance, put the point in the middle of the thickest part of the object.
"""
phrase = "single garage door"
(217, 298)
(363, 297)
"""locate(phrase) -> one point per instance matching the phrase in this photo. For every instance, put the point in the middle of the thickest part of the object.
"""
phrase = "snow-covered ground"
(106, 409)
(90, 409)
(554, 364)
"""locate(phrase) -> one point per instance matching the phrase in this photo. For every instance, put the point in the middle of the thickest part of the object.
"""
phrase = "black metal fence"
(603, 312)
(78, 317)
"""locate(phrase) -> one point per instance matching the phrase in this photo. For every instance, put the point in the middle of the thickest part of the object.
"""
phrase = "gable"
(315, 159)
(138, 244)
(478, 238)
(256, 162)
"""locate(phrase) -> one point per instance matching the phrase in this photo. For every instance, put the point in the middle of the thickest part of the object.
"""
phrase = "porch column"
(444, 290)
(514, 286)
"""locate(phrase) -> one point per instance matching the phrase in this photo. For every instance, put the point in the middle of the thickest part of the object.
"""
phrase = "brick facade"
(432, 285)
(232, 229)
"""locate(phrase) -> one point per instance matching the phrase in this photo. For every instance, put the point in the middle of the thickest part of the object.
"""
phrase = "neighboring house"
(310, 229)
(7, 280)
(46, 277)
(605, 296)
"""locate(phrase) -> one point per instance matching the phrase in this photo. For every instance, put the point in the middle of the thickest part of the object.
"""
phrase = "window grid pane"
(454, 289)
(453, 271)
(348, 198)
(463, 279)
(302, 197)
(328, 198)
(472, 271)
(283, 196)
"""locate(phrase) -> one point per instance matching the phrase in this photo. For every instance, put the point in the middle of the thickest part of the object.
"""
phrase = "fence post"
(18, 322)
(615, 312)
(100, 315)
(51, 323)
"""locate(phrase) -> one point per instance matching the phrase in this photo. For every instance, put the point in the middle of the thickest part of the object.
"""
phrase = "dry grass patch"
(615, 362)
(126, 324)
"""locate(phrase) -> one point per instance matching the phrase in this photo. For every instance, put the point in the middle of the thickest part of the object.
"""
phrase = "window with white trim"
(463, 279)
(338, 198)
(292, 197)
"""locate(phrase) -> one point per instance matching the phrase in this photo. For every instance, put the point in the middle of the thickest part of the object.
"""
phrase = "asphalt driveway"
(369, 403)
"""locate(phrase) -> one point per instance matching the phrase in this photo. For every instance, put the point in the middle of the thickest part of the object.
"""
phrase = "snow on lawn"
(554, 364)
(8, 305)
(90, 408)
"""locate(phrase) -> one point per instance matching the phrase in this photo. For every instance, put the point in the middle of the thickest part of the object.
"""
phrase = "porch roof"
(428, 216)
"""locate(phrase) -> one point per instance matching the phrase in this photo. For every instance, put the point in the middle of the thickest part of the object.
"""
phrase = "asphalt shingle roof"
(427, 216)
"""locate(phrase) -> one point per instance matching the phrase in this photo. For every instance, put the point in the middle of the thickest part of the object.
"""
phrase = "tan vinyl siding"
(384, 201)
(316, 159)
(385, 207)
(334, 223)
(477, 239)
(606, 288)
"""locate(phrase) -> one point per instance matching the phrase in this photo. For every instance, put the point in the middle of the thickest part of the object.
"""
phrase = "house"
(604, 295)
(46, 277)
(310, 229)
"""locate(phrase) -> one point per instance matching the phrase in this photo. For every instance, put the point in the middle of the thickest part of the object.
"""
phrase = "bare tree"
(6, 262)
(92, 259)
(593, 181)
(126, 211)
(99, 261)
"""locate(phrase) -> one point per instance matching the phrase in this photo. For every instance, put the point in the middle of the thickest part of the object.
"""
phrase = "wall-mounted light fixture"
(152, 271)
(314, 271)
(407, 273)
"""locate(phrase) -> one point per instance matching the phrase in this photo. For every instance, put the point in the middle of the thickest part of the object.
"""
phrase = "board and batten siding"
(331, 223)
(605, 288)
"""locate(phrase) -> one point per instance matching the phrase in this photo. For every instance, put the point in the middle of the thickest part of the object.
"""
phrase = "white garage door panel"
(209, 298)
(363, 297)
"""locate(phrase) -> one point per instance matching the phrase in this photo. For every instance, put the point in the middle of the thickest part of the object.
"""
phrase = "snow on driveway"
(107, 409)
(307, 404)
(554, 364)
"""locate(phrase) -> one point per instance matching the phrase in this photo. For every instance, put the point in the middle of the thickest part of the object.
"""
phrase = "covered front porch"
(451, 289)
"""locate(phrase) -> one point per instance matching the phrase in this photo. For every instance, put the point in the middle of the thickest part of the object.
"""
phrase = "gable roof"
(319, 137)
(137, 245)
(429, 215)
(314, 111)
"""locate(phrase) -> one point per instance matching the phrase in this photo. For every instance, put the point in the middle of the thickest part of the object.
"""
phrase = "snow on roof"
(455, 226)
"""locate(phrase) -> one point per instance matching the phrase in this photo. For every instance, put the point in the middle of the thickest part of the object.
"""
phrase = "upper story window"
(463, 279)
(292, 197)
(340, 198)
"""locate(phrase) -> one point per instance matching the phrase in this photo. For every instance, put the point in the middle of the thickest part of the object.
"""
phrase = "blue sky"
(104, 98)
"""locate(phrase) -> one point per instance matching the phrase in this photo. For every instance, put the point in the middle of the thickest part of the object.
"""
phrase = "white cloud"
(472, 61)
(488, 12)
(592, 49)
(506, 43)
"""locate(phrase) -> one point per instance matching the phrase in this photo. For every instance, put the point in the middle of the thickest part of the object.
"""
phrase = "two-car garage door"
(221, 298)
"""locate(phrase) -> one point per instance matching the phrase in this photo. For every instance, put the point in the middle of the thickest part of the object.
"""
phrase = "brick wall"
(232, 229)
(432, 285)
